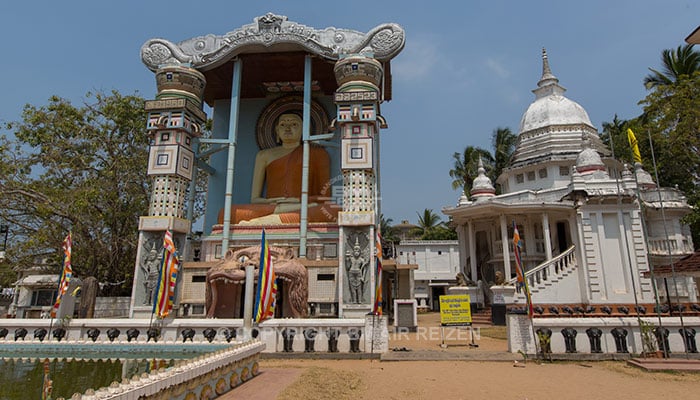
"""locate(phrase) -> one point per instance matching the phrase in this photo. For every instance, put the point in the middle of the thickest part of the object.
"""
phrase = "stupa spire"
(548, 84)
(547, 75)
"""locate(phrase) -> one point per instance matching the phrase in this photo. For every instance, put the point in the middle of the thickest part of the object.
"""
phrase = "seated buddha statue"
(276, 190)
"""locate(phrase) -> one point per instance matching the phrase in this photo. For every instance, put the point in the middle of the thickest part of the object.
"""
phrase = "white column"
(528, 235)
(463, 241)
(546, 234)
(248, 305)
(504, 246)
(692, 290)
(472, 250)
(576, 228)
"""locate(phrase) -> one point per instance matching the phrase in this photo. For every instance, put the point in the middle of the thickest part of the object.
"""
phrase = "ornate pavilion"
(294, 149)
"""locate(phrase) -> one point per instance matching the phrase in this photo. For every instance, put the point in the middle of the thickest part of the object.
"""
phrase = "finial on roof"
(547, 75)
(482, 187)
(644, 179)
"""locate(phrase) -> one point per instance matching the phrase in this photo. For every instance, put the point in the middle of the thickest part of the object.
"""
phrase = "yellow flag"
(633, 144)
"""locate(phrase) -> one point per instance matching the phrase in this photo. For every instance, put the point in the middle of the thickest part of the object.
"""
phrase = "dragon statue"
(225, 282)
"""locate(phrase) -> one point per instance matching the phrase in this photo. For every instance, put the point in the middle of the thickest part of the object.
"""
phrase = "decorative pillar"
(175, 119)
(530, 238)
(472, 251)
(358, 119)
(505, 247)
(462, 239)
(547, 238)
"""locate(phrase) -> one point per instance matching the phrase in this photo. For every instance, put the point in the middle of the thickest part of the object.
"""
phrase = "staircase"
(548, 274)
(482, 317)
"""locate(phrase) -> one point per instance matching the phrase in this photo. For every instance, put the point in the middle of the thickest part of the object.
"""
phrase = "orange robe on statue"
(283, 179)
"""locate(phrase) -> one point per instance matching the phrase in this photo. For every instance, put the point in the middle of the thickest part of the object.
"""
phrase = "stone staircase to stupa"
(548, 279)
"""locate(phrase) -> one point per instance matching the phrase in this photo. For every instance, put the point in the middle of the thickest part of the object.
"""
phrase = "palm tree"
(428, 221)
(387, 230)
(615, 136)
(684, 61)
(466, 165)
(503, 142)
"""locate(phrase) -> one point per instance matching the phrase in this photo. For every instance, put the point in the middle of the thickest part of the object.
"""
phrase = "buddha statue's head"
(288, 128)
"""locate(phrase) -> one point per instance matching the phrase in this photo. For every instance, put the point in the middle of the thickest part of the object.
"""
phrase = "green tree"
(672, 120)
(683, 62)
(466, 165)
(387, 230)
(614, 136)
(441, 232)
(80, 169)
(503, 142)
(428, 222)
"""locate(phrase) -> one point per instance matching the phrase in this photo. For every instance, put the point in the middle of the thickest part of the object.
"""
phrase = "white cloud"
(498, 68)
(417, 60)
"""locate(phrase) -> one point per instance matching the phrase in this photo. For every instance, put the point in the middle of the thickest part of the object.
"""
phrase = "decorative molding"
(383, 43)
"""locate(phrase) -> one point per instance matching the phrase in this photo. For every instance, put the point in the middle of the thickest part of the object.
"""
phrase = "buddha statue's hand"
(263, 200)
(291, 206)
(287, 200)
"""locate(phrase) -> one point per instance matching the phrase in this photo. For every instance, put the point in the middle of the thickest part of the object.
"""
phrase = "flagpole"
(520, 272)
(668, 246)
(636, 156)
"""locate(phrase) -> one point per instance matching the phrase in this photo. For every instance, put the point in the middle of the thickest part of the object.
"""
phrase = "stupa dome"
(551, 107)
(589, 160)
(644, 179)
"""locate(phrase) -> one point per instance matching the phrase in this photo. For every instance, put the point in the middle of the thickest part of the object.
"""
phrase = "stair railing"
(548, 269)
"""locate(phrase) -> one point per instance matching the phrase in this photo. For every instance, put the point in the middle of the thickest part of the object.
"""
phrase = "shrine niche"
(225, 283)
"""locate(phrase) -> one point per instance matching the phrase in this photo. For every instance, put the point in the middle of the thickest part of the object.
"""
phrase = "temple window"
(531, 176)
(43, 297)
(563, 170)
(519, 178)
(542, 172)
(325, 277)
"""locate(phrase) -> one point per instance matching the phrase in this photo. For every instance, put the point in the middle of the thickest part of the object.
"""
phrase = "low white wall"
(270, 332)
(520, 332)
(204, 377)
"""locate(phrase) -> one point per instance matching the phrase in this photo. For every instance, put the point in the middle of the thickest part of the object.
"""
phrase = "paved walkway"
(267, 385)
(660, 364)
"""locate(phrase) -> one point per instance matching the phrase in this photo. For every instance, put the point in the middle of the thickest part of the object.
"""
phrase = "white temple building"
(586, 239)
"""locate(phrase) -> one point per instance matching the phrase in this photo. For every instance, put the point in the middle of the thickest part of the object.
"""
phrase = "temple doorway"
(484, 271)
(437, 291)
(562, 241)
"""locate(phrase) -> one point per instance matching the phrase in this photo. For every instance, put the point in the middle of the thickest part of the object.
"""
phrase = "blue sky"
(468, 67)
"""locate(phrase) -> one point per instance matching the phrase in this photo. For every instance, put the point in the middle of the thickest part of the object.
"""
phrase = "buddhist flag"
(378, 294)
(267, 285)
(66, 274)
(633, 144)
(520, 272)
(47, 384)
(167, 279)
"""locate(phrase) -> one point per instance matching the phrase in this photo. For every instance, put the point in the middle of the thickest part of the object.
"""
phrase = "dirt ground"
(374, 379)
(371, 379)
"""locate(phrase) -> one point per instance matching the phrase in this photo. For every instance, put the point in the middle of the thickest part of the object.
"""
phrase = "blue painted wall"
(246, 149)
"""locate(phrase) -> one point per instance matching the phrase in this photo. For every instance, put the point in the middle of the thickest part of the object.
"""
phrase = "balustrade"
(661, 246)
(548, 270)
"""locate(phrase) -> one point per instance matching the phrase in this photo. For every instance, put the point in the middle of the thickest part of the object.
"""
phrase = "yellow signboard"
(455, 310)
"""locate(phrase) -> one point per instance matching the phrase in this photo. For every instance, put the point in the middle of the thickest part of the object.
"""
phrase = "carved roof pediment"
(205, 52)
